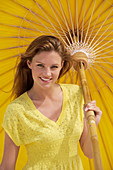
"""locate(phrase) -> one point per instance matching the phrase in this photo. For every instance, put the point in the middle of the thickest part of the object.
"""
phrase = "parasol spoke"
(1, 74)
(76, 26)
(15, 37)
(102, 99)
(27, 20)
(8, 58)
(32, 12)
(80, 15)
(5, 101)
(100, 27)
(99, 23)
(96, 44)
(104, 68)
(99, 73)
(83, 23)
(72, 25)
(106, 84)
(15, 26)
(89, 22)
(21, 46)
(50, 22)
(103, 62)
(103, 53)
(67, 24)
(106, 73)
(5, 86)
(96, 21)
(100, 15)
(106, 47)
(86, 12)
(108, 63)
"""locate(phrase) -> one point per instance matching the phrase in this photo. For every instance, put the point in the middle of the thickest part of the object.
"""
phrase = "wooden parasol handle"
(90, 120)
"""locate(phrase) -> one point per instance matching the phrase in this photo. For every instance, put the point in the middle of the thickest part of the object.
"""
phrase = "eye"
(54, 67)
(40, 65)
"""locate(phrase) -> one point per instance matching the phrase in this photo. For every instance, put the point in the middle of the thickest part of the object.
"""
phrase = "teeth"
(45, 79)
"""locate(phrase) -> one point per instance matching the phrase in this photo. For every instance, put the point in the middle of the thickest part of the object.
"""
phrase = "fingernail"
(86, 109)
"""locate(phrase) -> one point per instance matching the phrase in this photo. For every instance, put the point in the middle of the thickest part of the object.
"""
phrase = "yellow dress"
(50, 145)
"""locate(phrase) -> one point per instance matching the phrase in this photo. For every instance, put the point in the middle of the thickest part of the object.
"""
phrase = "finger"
(89, 107)
(95, 109)
(90, 103)
(92, 107)
(93, 102)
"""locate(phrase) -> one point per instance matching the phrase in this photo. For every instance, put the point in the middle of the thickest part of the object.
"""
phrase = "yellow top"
(50, 145)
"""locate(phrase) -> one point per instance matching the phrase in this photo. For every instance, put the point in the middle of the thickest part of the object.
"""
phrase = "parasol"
(84, 26)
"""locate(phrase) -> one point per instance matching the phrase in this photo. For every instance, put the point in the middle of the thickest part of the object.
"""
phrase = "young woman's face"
(45, 68)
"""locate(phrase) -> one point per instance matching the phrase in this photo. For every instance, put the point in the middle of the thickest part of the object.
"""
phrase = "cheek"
(35, 72)
(57, 72)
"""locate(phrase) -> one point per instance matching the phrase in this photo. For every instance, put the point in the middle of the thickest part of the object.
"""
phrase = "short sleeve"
(11, 123)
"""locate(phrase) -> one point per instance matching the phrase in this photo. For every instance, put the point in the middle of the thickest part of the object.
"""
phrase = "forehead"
(46, 56)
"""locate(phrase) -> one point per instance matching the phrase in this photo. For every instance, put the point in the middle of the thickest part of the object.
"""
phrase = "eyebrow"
(43, 63)
(39, 62)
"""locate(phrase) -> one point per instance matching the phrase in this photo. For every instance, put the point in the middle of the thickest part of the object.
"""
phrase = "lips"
(45, 79)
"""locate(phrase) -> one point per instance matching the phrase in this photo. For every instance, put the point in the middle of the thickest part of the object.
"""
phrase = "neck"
(38, 93)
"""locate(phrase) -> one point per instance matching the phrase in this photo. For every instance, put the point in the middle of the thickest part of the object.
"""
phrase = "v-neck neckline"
(45, 117)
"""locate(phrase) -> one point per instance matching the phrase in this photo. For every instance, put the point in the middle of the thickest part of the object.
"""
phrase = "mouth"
(45, 79)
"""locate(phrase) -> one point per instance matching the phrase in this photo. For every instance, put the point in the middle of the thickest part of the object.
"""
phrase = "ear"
(29, 64)
(62, 63)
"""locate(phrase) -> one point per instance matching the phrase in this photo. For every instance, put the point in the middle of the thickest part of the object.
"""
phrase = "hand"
(92, 107)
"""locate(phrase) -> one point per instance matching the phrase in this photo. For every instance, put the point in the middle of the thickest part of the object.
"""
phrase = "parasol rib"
(65, 19)
(89, 22)
(83, 22)
(77, 22)
(74, 39)
(101, 36)
(100, 65)
(95, 24)
(100, 28)
(96, 51)
(87, 11)
(50, 22)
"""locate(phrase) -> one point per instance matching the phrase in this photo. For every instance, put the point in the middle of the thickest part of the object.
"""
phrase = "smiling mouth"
(45, 80)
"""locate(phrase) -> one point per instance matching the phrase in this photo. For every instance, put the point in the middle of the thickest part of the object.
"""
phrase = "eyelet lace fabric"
(50, 145)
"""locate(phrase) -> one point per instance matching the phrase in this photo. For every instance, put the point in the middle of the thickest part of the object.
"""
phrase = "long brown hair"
(23, 78)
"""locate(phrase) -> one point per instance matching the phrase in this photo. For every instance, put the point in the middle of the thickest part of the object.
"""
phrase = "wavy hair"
(23, 80)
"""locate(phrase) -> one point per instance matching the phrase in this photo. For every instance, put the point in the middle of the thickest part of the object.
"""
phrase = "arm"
(85, 141)
(10, 154)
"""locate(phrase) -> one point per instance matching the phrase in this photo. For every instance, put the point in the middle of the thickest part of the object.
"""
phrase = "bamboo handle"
(90, 120)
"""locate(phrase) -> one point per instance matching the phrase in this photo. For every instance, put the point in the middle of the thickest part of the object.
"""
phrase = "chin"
(45, 86)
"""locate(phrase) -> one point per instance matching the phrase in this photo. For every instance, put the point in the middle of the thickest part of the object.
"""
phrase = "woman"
(46, 117)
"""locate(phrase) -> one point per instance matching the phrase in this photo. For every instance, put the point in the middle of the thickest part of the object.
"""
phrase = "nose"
(47, 72)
